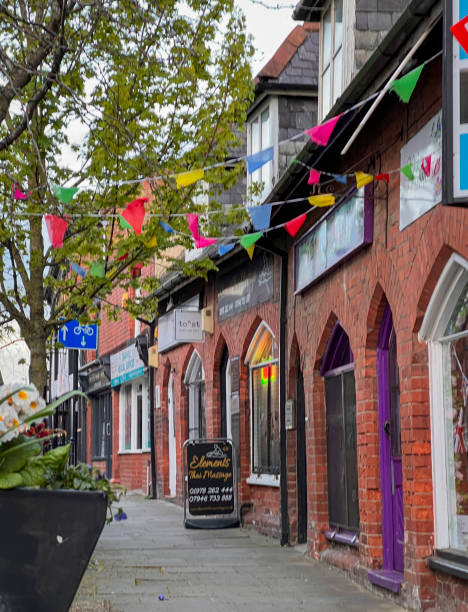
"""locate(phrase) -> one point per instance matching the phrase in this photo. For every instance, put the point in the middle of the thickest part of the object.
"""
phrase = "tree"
(155, 89)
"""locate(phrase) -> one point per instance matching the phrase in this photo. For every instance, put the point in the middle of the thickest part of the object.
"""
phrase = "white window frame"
(347, 49)
(192, 385)
(142, 380)
(272, 103)
(262, 479)
(442, 302)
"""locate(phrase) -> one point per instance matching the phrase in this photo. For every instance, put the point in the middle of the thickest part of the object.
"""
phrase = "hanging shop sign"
(179, 326)
(455, 103)
(339, 234)
(210, 484)
(125, 365)
(422, 189)
(239, 291)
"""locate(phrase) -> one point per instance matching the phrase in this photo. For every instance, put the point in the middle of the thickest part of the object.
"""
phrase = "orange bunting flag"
(324, 199)
(187, 178)
(363, 179)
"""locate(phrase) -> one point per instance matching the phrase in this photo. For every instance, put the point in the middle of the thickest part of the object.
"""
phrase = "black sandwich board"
(210, 484)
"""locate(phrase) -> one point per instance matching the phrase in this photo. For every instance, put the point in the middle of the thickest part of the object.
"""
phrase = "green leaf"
(10, 481)
(33, 473)
(56, 459)
(15, 457)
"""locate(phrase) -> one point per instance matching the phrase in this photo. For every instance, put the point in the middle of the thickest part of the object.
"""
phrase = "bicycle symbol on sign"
(83, 329)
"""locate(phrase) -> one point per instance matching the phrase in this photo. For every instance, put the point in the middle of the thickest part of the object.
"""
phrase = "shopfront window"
(445, 327)
(264, 397)
(134, 414)
(195, 382)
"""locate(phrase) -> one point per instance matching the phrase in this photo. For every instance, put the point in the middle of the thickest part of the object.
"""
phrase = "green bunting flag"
(98, 269)
(404, 87)
(64, 194)
(407, 171)
(249, 239)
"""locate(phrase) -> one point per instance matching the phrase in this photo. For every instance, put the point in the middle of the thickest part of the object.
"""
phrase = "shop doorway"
(172, 438)
(102, 430)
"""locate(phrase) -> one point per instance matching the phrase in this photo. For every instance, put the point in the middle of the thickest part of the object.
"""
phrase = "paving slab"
(152, 562)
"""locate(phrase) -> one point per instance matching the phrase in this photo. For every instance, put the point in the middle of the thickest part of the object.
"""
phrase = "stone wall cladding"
(302, 68)
(401, 267)
(296, 114)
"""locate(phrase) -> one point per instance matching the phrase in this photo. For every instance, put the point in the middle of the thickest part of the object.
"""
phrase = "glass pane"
(266, 135)
(459, 475)
(128, 418)
(327, 31)
(261, 420)
(337, 75)
(274, 420)
(459, 319)
(255, 136)
(337, 501)
(338, 24)
(263, 347)
(139, 415)
(464, 97)
(349, 406)
(326, 101)
(394, 397)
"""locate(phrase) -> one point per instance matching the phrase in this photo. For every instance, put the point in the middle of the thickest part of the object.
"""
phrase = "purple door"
(390, 447)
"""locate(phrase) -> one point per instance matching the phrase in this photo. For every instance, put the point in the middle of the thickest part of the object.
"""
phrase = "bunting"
(64, 194)
(293, 226)
(383, 176)
(257, 160)
(340, 178)
(78, 269)
(250, 250)
(98, 269)
(250, 239)
(260, 216)
(202, 242)
(193, 225)
(363, 179)
(56, 228)
(314, 177)
(166, 227)
(460, 31)
(324, 199)
(188, 178)
(321, 133)
(223, 249)
(404, 87)
(18, 194)
(134, 214)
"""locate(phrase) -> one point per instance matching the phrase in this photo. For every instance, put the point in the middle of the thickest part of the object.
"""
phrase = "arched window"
(195, 381)
(445, 328)
(264, 400)
(340, 400)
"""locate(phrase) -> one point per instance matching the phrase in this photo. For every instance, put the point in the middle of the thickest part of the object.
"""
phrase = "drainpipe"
(283, 255)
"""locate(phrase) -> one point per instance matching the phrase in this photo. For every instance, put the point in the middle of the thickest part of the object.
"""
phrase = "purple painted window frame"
(367, 238)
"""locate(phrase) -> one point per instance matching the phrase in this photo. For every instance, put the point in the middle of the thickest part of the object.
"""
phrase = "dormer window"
(331, 63)
(262, 130)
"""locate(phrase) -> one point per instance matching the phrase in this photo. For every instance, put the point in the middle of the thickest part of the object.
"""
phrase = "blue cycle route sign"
(76, 336)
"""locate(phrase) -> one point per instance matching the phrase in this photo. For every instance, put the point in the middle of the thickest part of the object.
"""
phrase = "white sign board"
(188, 326)
(424, 153)
(125, 365)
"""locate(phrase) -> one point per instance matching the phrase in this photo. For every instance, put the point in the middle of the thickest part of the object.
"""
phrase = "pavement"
(152, 562)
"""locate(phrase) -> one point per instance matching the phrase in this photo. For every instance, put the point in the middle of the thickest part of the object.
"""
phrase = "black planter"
(47, 539)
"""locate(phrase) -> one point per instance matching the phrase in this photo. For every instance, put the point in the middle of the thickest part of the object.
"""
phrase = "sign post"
(210, 484)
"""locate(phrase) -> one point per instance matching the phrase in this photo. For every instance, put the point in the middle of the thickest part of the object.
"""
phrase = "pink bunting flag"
(193, 225)
(56, 228)
(201, 242)
(134, 213)
(18, 194)
(321, 133)
(426, 165)
(293, 226)
(314, 177)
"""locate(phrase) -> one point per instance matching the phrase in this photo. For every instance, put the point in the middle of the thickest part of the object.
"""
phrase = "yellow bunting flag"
(325, 199)
(363, 179)
(187, 178)
(250, 250)
(151, 243)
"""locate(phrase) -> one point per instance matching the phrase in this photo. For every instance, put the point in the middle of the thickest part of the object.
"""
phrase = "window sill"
(387, 579)
(264, 480)
(137, 451)
(450, 562)
(343, 537)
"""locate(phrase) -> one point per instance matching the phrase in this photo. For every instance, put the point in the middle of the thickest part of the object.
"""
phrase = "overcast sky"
(269, 27)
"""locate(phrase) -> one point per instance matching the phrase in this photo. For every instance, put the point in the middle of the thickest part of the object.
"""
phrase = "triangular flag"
(135, 270)
(257, 160)
(426, 165)
(260, 216)
(321, 133)
(363, 179)
(407, 171)
(324, 199)
(383, 176)
(250, 239)
(225, 248)
(122, 257)
(193, 225)
(187, 178)
(340, 178)
(18, 194)
(78, 269)
(134, 214)
(124, 224)
(202, 242)
(460, 31)
(250, 250)
(64, 194)
(151, 243)
(166, 226)
(293, 226)
(314, 177)
(404, 87)
(56, 228)
(98, 269)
